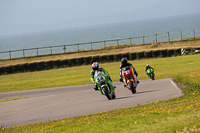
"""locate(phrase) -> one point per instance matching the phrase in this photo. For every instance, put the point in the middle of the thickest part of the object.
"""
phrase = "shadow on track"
(146, 91)
(123, 97)
(135, 94)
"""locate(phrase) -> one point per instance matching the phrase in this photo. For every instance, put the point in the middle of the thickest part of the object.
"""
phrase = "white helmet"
(95, 66)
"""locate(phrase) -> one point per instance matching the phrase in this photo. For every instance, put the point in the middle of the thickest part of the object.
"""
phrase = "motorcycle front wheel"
(133, 90)
(152, 76)
(107, 93)
(113, 95)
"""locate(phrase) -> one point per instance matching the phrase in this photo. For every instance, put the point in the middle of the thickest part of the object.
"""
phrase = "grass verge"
(180, 114)
(5, 100)
(164, 68)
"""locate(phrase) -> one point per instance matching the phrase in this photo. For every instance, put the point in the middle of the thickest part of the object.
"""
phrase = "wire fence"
(162, 37)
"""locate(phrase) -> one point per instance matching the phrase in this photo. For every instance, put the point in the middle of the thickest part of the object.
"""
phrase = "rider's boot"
(96, 87)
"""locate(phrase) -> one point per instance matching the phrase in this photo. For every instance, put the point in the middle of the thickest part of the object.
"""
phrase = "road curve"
(63, 102)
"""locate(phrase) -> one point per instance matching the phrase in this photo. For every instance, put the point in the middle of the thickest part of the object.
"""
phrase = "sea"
(186, 24)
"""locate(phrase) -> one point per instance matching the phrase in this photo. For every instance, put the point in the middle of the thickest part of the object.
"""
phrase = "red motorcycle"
(129, 78)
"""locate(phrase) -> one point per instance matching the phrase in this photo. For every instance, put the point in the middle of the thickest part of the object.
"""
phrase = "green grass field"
(175, 115)
(164, 68)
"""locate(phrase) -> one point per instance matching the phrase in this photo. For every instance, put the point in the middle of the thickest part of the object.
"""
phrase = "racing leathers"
(92, 76)
(147, 67)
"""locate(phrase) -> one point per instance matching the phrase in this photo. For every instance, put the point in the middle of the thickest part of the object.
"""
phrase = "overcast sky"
(21, 16)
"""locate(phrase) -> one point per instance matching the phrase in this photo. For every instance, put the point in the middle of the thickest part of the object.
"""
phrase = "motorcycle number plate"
(100, 79)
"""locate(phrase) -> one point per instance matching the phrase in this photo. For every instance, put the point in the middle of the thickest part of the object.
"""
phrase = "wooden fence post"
(77, 47)
(23, 53)
(37, 52)
(51, 50)
(193, 34)
(105, 44)
(181, 35)
(143, 40)
(156, 38)
(64, 48)
(117, 44)
(168, 37)
(91, 45)
(130, 41)
(10, 54)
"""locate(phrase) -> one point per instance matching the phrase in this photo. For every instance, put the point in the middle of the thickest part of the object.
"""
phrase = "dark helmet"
(147, 65)
(124, 61)
(95, 66)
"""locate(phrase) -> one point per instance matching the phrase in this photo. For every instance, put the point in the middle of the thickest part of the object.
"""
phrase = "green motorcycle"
(104, 85)
(150, 73)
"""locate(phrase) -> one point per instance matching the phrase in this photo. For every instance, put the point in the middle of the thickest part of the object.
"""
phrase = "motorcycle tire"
(133, 90)
(113, 95)
(107, 93)
(152, 76)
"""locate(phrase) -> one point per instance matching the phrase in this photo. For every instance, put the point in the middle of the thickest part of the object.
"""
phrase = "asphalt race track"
(63, 102)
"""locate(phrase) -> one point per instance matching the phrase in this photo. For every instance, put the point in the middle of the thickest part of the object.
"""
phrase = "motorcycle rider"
(125, 63)
(95, 67)
(147, 67)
